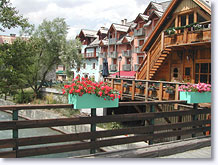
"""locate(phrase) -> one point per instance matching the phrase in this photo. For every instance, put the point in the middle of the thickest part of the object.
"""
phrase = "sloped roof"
(104, 41)
(161, 7)
(89, 33)
(157, 13)
(120, 27)
(95, 43)
(103, 30)
(156, 30)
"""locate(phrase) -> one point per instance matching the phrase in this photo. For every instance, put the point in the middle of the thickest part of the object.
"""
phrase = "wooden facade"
(179, 48)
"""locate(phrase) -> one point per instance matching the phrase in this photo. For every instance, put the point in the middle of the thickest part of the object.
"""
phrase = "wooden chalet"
(179, 47)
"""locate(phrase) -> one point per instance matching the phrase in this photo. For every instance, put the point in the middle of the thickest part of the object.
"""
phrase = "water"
(38, 132)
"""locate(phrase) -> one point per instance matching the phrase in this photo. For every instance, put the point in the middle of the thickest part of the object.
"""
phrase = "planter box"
(88, 101)
(196, 97)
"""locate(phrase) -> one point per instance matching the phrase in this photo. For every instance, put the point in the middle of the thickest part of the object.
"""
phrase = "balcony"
(103, 55)
(113, 54)
(112, 41)
(113, 67)
(139, 32)
(127, 53)
(127, 67)
(138, 49)
(199, 33)
(136, 67)
(89, 55)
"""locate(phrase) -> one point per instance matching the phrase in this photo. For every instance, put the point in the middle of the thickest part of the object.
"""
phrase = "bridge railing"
(150, 132)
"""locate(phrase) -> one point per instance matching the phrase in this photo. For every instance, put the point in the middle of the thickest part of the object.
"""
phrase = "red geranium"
(101, 89)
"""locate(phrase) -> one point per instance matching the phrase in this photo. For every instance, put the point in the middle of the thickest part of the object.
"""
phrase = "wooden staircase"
(158, 55)
(159, 62)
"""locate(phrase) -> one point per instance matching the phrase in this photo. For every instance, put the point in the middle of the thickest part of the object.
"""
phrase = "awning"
(124, 74)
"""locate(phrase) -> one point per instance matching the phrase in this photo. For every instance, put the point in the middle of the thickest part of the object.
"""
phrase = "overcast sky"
(79, 14)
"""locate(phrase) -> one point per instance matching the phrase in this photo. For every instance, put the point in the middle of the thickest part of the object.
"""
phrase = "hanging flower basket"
(87, 94)
(196, 93)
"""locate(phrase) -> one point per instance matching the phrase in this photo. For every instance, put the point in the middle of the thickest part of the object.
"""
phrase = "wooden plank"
(160, 95)
(148, 65)
(146, 91)
(112, 83)
(8, 154)
(176, 96)
(7, 143)
(39, 106)
(97, 119)
(121, 94)
(102, 143)
(162, 41)
(133, 90)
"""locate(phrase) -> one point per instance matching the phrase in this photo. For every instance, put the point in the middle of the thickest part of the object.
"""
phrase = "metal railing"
(113, 54)
(139, 32)
(127, 53)
(127, 67)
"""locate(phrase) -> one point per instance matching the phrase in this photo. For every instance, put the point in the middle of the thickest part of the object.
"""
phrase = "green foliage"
(24, 97)
(9, 16)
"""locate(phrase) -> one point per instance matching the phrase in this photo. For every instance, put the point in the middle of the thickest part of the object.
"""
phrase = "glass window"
(204, 68)
(191, 18)
(187, 71)
(197, 68)
(203, 78)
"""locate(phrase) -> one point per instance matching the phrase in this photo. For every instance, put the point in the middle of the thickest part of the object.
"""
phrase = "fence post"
(146, 91)
(93, 129)
(15, 130)
(133, 90)
(195, 117)
(176, 95)
(161, 92)
(121, 94)
(152, 109)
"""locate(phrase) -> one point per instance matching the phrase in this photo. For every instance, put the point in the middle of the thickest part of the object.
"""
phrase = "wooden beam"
(160, 92)
(133, 90)
(148, 65)
(176, 95)
(121, 94)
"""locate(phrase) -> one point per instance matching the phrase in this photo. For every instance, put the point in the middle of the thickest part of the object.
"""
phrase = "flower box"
(88, 101)
(196, 97)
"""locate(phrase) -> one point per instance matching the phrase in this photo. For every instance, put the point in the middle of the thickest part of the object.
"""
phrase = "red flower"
(100, 93)
(63, 91)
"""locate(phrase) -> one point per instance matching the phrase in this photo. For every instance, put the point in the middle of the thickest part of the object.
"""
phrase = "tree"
(9, 16)
(50, 48)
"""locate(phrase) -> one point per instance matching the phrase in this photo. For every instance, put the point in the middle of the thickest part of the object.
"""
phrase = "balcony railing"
(113, 67)
(103, 55)
(127, 53)
(113, 54)
(138, 49)
(189, 34)
(139, 32)
(136, 67)
(90, 55)
(112, 41)
(127, 67)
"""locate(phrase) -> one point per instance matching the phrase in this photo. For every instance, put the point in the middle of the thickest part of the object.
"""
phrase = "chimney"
(13, 35)
(125, 21)
(122, 22)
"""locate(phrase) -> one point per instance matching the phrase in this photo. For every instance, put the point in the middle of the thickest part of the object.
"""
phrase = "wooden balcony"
(113, 54)
(127, 53)
(138, 49)
(139, 32)
(113, 67)
(103, 55)
(127, 67)
(112, 41)
(188, 35)
(90, 55)
(141, 90)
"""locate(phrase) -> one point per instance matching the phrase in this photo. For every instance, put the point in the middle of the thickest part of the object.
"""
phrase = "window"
(203, 73)
(175, 72)
(187, 71)
(93, 66)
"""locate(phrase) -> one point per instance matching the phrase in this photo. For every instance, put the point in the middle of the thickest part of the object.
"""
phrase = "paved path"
(199, 153)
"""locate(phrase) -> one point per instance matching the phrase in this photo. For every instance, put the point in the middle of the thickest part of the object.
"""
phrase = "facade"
(179, 48)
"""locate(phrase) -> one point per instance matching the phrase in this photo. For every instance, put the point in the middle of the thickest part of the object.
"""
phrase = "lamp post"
(119, 59)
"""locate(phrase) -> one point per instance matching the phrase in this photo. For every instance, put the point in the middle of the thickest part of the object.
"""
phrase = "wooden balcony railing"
(90, 55)
(197, 33)
(17, 146)
(142, 89)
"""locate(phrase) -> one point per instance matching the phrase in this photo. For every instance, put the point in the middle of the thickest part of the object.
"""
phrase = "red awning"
(124, 74)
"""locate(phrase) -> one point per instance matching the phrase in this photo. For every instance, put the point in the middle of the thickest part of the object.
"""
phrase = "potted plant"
(88, 94)
(196, 93)
(152, 87)
(170, 89)
(140, 86)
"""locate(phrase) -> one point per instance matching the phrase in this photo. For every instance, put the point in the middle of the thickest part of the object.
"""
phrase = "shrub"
(25, 97)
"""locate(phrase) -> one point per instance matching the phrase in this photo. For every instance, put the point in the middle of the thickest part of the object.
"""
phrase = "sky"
(79, 14)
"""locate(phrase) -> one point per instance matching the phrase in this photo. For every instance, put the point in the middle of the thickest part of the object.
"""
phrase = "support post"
(93, 129)
(15, 131)
(152, 109)
(146, 91)
(160, 92)
(121, 94)
(195, 117)
(176, 96)
(133, 90)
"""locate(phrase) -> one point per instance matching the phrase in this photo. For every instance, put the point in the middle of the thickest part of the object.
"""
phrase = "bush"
(25, 97)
